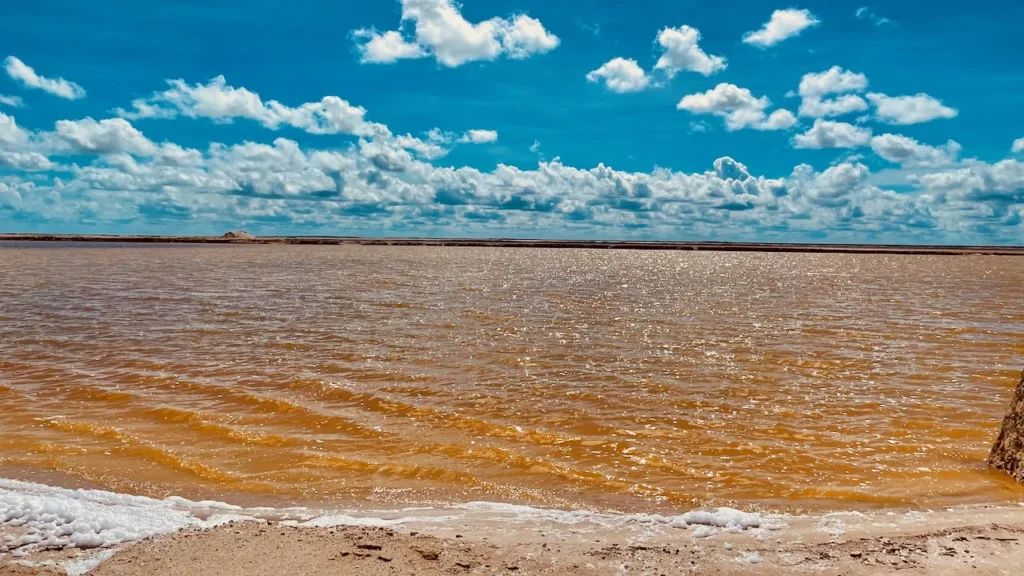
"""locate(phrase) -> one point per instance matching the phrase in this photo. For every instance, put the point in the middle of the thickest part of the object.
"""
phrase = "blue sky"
(733, 120)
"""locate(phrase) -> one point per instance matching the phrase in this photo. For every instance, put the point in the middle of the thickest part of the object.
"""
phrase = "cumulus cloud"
(387, 48)
(909, 152)
(383, 183)
(440, 30)
(681, 52)
(218, 101)
(832, 187)
(740, 108)
(377, 186)
(479, 137)
(1000, 184)
(27, 161)
(24, 74)
(816, 85)
(110, 136)
(829, 134)
(835, 80)
(10, 133)
(914, 109)
(1018, 146)
(832, 107)
(782, 25)
(621, 75)
(12, 101)
(222, 103)
(777, 120)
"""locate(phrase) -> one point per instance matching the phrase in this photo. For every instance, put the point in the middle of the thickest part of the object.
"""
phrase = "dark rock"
(239, 235)
(1008, 453)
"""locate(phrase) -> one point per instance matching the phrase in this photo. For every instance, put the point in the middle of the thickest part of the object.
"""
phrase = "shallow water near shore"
(635, 381)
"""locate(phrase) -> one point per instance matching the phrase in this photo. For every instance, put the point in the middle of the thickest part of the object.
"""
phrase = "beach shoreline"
(481, 538)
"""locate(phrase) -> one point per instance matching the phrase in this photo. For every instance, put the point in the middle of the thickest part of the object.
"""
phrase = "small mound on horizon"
(239, 235)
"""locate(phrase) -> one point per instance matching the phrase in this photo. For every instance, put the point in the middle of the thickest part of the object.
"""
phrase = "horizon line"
(667, 245)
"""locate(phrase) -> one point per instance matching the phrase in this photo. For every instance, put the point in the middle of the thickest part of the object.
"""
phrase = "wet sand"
(972, 540)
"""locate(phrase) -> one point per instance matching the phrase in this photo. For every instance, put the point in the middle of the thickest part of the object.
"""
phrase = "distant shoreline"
(539, 243)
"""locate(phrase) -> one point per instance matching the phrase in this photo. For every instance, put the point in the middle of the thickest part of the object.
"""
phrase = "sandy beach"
(972, 540)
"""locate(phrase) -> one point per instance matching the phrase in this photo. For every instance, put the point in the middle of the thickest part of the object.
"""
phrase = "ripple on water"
(560, 378)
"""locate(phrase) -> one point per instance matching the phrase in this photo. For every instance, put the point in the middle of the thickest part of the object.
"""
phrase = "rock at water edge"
(1008, 453)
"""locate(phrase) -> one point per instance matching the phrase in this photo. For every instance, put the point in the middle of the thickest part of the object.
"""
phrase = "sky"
(736, 120)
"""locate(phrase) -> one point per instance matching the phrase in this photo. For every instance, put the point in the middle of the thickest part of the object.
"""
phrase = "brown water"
(631, 380)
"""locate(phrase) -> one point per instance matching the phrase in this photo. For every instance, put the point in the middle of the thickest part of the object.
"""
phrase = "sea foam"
(50, 517)
(46, 517)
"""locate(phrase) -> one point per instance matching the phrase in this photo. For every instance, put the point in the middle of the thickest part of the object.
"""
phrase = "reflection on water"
(633, 380)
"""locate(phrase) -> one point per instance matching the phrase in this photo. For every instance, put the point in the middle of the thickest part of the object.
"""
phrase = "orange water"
(564, 378)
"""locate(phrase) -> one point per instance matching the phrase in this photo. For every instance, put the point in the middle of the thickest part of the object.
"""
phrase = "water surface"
(563, 378)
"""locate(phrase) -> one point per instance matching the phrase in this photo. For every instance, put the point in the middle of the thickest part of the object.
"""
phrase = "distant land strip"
(515, 243)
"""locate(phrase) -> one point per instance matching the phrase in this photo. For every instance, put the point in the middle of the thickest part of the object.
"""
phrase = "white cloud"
(621, 75)
(835, 80)
(909, 109)
(833, 187)
(680, 51)
(383, 183)
(1018, 146)
(777, 120)
(387, 48)
(978, 181)
(331, 115)
(10, 133)
(222, 103)
(378, 187)
(816, 85)
(828, 134)
(526, 36)
(27, 161)
(535, 147)
(722, 99)
(782, 25)
(740, 108)
(440, 30)
(23, 73)
(909, 152)
(12, 101)
(428, 149)
(683, 53)
(832, 107)
(479, 137)
(110, 136)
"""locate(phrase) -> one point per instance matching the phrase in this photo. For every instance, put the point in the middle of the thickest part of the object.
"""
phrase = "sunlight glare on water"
(561, 378)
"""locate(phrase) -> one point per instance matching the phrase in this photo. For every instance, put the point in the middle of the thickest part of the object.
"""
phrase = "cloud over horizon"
(652, 127)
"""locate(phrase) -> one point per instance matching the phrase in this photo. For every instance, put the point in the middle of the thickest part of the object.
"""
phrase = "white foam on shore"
(46, 517)
(37, 517)
(729, 518)
(82, 566)
(333, 520)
